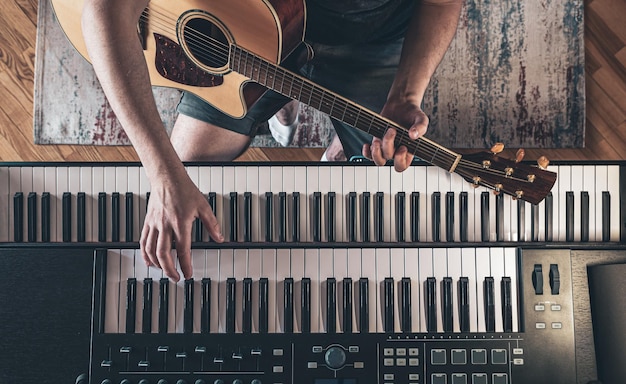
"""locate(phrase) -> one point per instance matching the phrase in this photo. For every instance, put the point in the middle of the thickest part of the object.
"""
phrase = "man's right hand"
(173, 207)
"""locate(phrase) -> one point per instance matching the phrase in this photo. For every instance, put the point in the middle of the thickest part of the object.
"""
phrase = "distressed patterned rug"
(514, 73)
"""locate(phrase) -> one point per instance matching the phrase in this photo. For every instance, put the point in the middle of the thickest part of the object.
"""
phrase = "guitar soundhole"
(206, 43)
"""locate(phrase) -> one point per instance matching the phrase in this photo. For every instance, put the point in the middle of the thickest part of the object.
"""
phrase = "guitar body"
(175, 35)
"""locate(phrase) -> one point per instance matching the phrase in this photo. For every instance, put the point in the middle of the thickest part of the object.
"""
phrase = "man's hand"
(172, 209)
(406, 115)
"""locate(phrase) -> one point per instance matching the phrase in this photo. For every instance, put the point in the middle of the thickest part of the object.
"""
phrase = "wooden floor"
(605, 46)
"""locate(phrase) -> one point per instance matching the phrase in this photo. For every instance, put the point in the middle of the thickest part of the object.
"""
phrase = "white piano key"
(288, 187)
(455, 271)
(440, 270)
(510, 270)
(199, 264)
(312, 186)
(456, 186)
(497, 271)
(360, 177)
(86, 184)
(614, 190)
(432, 186)
(141, 273)
(241, 261)
(326, 270)
(156, 274)
(404, 182)
(383, 270)
(348, 185)
(109, 187)
(5, 204)
(589, 181)
(300, 183)
(144, 189)
(217, 187)
(340, 269)
(565, 186)
(227, 270)
(472, 210)
(355, 272)
(372, 188)
(204, 185)
(421, 184)
(384, 185)
(312, 271)
(112, 304)
(600, 185)
(268, 270)
(297, 273)
(241, 187)
(121, 186)
(38, 188)
(127, 271)
(252, 179)
(398, 272)
(324, 186)
(254, 272)
(337, 186)
(97, 186)
(265, 185)
(228, 186)
(411, 263)
(62, 186)
(510, 220)
(194, 175)
(368, 265)
(177, 302)
(468, 269)
(425, 270)
(26, 182)
(444, 187)
(74, 188)
(213, 257)
(483, 270)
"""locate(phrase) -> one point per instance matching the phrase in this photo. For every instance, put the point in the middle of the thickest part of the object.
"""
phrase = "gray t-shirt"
(336, 22)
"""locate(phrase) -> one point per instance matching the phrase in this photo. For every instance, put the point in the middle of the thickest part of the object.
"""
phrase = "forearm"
(109, 28)
(430, 32)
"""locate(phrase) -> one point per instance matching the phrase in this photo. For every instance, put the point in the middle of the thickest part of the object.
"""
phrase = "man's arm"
(110, 30)
(430, 32)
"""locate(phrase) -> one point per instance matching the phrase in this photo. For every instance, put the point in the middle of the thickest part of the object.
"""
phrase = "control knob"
(335, 357)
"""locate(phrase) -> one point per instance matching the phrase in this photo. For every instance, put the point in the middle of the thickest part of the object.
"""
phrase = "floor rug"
(514, 73)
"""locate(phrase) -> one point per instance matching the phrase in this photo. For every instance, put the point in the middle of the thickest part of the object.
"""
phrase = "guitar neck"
(302, 89)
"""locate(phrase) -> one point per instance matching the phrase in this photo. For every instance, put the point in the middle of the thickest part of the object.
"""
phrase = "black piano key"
(331, 205)
(263, 304)
(415, 216)
(485, 227)
(450, 216)
(500, 235)
(282, 217)
(365, 216)
(247, 216)
(81, 210)
(464, 304)
(606, 216)
(102, 217)
(146, 315)
(400, 215)
(352, 217)
(234, 224)
(430, 300)
(388, 294)
(164, 303)
(569, 216)
(507, 304)
(212, 199)
(436, 216)
(205, 308)
(379, 219)
(188, 307)
(584, 216)
(447, 306)
(521, 220)
(31, 212)
(364, 317)
(331, 305)
(295, 217)
(305, 302)
(130, 221)
(45, 217)
(231, 304)
(246, 323)
(115, 216)
(347, 305)
(317, 216)
(269, 217)
(131, 304)
(288, 305)
(549, 217)
(405, 315)
(463, 217)
(490, 304)
(66, 209)
(534, 226)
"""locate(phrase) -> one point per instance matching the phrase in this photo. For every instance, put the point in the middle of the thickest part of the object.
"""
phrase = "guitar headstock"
(512, 177)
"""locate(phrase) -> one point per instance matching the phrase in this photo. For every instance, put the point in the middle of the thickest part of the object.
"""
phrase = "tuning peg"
(497, 148)
(519, 156)
(543, 162)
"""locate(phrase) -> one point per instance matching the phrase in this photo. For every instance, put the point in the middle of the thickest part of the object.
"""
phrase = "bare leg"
(334, 152)
(196, 140)
(288, 113)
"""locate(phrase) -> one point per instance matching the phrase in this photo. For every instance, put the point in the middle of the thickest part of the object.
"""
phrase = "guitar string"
(220, 48)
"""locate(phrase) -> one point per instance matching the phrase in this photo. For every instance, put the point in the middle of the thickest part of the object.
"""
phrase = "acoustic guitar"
(230, 52)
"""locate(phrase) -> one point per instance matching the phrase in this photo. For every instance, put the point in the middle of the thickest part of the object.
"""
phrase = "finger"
(419, 128)
(183, 251)
(143, 241)
(377, 153)
(388, 144)
(164, 255)
(402, 159)
(366, 151)
(211, 224)
(151, 247)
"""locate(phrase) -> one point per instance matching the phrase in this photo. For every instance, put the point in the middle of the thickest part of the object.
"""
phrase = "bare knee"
(195, 140)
